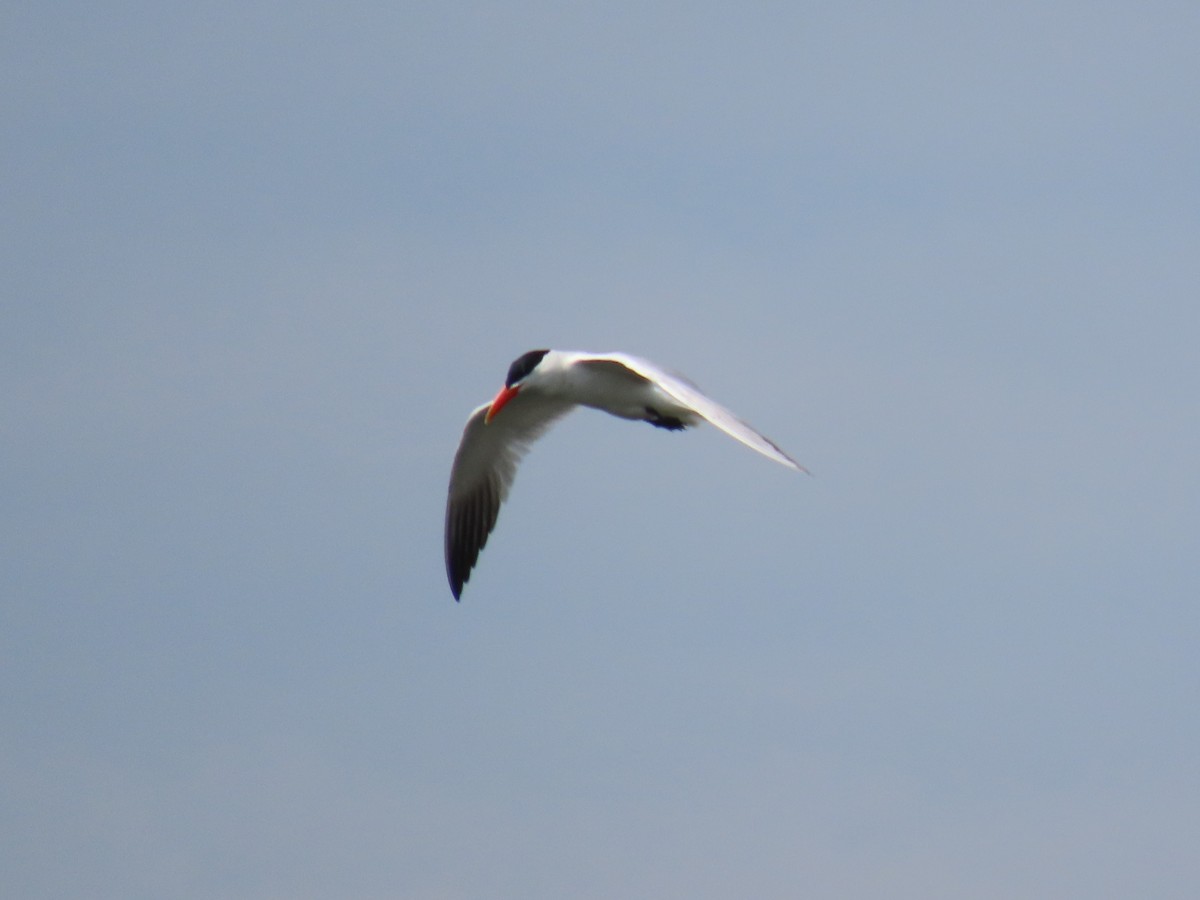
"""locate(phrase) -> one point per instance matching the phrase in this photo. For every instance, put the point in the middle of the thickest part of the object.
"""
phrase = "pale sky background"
(260, 260)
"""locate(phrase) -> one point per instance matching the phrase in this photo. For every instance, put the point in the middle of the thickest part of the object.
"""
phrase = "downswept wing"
(483, 472)
(689, 395)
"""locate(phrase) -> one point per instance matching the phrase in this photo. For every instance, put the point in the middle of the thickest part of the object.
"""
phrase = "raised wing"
(689, 395)
(484, 468)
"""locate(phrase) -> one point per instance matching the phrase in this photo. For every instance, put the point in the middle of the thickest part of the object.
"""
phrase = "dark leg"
(658, 420)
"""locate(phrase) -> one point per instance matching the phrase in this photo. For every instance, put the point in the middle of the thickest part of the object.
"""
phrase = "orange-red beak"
(502, 398)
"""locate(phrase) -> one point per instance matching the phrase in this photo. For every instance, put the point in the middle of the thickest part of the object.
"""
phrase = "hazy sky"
(260, 260)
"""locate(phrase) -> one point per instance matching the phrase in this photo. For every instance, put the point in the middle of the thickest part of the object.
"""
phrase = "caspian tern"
(542, 386)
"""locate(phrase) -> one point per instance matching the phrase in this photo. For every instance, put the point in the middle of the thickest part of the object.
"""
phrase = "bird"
(542, 386)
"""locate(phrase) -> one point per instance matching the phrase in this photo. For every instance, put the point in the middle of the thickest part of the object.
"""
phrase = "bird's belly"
(641, 402)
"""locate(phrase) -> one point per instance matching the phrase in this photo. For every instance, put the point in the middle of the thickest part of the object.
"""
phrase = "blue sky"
(259, 262)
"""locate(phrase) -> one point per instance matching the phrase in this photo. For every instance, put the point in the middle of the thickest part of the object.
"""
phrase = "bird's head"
(523, 367)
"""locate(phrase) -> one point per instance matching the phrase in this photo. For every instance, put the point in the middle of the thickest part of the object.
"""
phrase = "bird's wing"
(484, 468)
(691, 396)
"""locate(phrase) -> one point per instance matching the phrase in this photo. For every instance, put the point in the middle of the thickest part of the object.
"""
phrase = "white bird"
(542, 386)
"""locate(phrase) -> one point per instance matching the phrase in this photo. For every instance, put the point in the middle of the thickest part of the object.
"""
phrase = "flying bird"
(541, 387)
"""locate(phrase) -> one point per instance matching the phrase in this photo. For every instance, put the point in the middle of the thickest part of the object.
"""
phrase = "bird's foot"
(658, 420)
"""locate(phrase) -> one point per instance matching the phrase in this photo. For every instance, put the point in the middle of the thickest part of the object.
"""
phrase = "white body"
(620, 389)
(498, 434)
